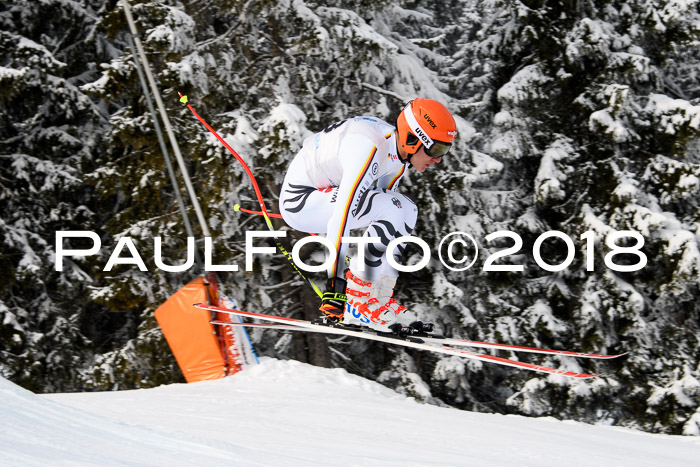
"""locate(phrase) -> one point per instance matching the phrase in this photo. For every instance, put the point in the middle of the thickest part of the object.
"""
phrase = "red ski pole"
(263, 209)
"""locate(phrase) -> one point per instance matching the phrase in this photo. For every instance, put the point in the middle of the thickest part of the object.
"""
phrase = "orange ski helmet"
(426, 122)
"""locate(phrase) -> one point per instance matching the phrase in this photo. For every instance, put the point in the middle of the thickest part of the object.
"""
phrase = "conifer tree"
(598, 131)
(50, 133)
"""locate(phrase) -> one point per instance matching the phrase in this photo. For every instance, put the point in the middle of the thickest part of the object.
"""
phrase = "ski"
(435, 339)
(409, 341)
(281, 327)
(520, 348)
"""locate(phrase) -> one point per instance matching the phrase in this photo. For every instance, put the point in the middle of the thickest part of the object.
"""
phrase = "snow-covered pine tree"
(136, 196)
(597, 125)
(50, 132)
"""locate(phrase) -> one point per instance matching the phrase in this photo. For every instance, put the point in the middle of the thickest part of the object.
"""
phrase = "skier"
(345, 177)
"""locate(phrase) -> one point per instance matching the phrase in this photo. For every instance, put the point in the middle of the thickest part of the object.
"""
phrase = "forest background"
(573, 116)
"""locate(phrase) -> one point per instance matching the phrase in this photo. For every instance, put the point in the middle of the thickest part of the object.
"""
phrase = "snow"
(177, 30)
(287, 413)
(549, 179)
(286, 122)
(541, 314)
(673, 113)
(613, 127)
(523, 85)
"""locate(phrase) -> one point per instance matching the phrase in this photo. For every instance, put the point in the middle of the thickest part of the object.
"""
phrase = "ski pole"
(237, 207)
(263, 208)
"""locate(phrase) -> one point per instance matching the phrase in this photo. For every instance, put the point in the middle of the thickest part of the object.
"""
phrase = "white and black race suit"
(345, 178)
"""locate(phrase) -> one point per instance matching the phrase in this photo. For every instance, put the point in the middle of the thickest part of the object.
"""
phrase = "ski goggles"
(438, 149)
(433, 148)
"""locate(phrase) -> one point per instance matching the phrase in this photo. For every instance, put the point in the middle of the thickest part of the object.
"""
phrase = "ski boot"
(371, 304)
(363, 305)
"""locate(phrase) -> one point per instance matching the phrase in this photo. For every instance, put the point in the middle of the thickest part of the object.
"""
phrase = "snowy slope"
(285, 413)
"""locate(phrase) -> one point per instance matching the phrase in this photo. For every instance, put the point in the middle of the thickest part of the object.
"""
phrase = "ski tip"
(609, 357)
(236, 207)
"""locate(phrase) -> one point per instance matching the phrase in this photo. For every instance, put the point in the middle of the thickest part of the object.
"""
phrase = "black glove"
(334, 299)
